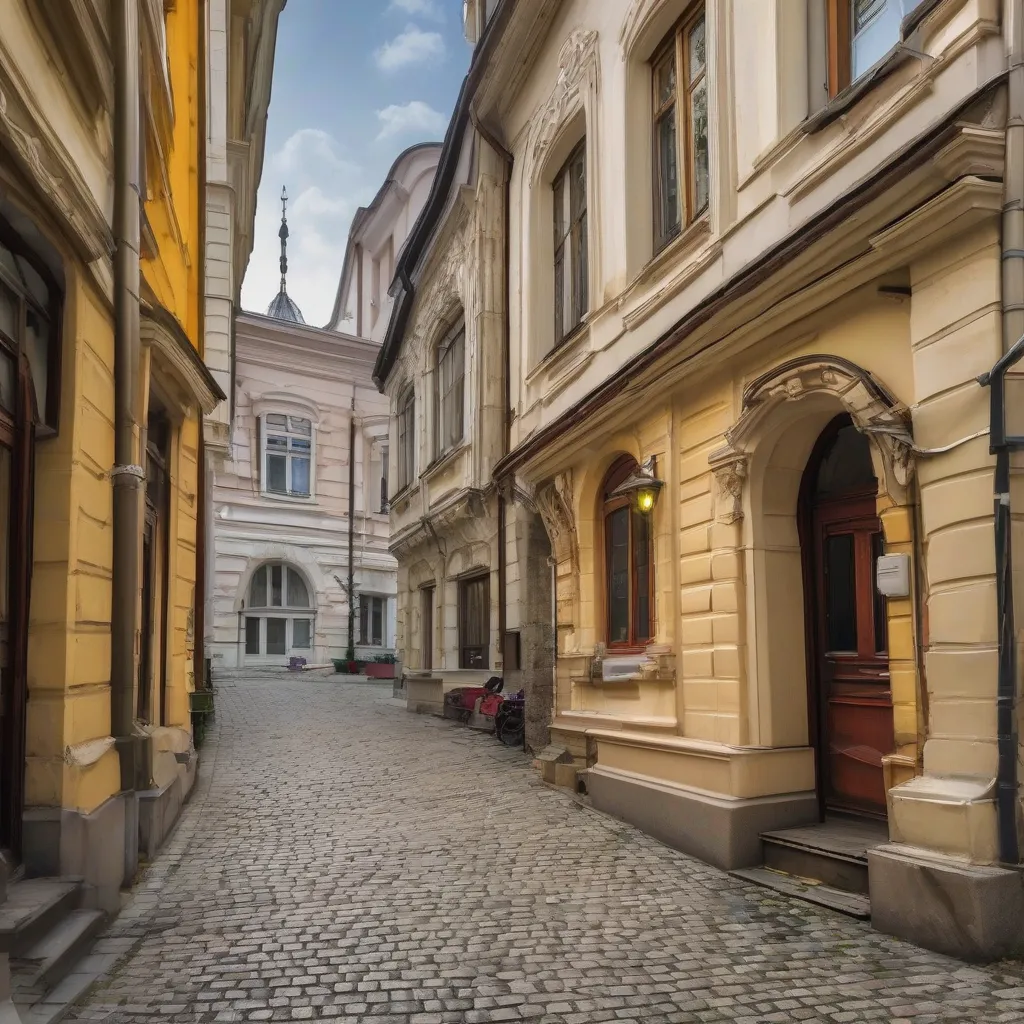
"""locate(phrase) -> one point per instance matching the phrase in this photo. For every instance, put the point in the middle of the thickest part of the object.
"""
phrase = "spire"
(283, 235)
(283, 306)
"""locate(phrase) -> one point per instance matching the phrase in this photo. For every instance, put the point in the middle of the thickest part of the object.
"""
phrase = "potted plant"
(382, 667)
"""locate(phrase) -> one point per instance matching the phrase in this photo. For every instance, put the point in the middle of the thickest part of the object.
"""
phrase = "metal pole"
(351, 530)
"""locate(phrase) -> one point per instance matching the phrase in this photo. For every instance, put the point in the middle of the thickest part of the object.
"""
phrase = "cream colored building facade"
(757, 250)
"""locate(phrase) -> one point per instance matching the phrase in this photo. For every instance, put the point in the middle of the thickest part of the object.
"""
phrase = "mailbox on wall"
(892, 575)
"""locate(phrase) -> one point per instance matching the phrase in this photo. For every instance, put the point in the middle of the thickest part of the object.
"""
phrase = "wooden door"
(851, 694)
(17, 453)
(427, 628)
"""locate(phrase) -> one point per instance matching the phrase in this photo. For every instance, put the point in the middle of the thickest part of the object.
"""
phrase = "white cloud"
(415, 117)
(424, 8)
(326, 188)
(411, 46)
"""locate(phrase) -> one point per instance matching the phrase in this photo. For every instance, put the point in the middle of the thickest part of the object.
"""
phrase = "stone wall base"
(58, 842)
(972, 912)
(724, 831)
(159, 808)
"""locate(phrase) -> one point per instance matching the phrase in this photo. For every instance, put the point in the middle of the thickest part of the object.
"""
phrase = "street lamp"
(641, 488)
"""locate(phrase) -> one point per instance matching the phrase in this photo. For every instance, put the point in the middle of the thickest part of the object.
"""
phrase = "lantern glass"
(645, 499)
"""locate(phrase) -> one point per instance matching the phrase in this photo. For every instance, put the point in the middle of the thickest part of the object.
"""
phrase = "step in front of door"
(850, 903)
(840, 870)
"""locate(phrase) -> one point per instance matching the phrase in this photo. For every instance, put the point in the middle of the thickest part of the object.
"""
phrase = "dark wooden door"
(854, 695)
(427, 631)
(474, 622)
(17, 455)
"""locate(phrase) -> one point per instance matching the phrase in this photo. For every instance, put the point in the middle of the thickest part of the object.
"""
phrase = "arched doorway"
(850, 699)
(278, 615)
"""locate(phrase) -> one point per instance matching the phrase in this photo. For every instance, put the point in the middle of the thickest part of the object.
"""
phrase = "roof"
(283, 307)
(426, 223)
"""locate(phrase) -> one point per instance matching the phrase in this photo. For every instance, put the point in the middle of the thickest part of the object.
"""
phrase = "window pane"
(455, 412)
(7, 382)
(665, 79)
(298, 444)
(276, 636)
(9, 314)
(840, 593)
(277, 474)
(617, 527)
(275, 419)
(560, 225)
(578, 183)
(668, 175)
(875, 29)
(642, 570)
(37, 348)
(581, 289)
(300, 425)
(378, 621)
(277, 443)
(559, 295)
(298, 596)
(300, 477)
(364, 618)
(300, 633)
(696, 45)
(34, 284)
(252, 636)
(699, 143)
(276, 573)
(258, 588)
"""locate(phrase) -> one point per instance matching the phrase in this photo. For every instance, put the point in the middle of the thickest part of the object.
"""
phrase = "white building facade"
(302, 488)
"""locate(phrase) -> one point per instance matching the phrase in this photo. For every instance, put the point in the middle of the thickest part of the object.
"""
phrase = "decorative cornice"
(40, 154)
(159, 329)
(578, 66)
(637, 17)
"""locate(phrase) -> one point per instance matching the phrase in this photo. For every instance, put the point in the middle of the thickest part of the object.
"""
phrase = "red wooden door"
(855, 724)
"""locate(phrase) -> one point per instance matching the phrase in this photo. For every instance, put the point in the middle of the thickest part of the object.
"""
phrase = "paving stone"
(344, 860)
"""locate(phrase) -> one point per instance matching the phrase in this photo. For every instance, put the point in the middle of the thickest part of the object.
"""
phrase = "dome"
(283, 307)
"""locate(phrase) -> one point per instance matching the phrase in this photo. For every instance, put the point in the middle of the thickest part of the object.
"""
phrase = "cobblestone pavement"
(344, 859)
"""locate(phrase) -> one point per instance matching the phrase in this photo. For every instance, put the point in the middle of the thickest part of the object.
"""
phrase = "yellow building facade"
(70, 807)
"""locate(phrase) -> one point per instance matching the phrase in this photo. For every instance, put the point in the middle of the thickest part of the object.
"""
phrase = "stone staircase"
(47, 932)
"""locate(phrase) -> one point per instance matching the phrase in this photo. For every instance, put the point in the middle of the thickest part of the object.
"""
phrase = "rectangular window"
(474, 622)
(300, 634)
(570, 199)
(371, 620)
(860, 34)
(406, 438)
(682, 174)
(287, 455)
(252, 636)
(451, 371)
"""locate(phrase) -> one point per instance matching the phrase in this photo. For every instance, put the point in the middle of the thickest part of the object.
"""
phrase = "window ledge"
(403, 494)
(442, 461)
(689, 239)
(855, 92)
(289, 499)
(554, 360)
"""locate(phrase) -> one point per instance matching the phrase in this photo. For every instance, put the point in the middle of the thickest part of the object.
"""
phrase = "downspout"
(126, 475)
(1013, 329)
(351, 652)
(203, 517)
(506, 422)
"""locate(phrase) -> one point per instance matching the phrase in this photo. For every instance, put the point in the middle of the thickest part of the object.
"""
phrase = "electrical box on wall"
(892, 575)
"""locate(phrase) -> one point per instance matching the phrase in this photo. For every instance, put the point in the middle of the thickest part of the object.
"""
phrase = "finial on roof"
(283, 235)
(283, 306)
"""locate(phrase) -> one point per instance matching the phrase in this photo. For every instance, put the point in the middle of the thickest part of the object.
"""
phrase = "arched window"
(628, 579)
(451, 371)
(278, 613)
(406, 437)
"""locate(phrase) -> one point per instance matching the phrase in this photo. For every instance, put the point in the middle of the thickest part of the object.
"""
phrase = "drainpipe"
(506, 432)
(351, 653)
(126, 475)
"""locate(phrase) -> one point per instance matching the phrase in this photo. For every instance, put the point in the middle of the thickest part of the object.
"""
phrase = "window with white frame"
(287, 455)
(372, 620)
(278, 613)
(384, 453)
(451, 371)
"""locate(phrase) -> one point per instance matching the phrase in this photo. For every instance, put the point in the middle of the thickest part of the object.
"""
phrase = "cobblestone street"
(341, 858)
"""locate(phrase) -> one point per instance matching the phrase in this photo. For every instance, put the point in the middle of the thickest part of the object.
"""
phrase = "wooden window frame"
(636, 642)
(840, 39)
(674, 46)
(450, 421)
(573, 235)
(406, 436)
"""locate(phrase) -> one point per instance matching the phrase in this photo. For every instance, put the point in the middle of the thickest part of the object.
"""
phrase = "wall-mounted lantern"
(642, 488)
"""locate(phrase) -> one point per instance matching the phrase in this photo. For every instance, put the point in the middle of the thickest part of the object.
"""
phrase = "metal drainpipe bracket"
(136, 471)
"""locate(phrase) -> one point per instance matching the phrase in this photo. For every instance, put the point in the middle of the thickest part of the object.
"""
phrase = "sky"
(355, 83)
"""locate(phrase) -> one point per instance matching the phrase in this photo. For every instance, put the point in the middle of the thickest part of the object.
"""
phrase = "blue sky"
(355, 83)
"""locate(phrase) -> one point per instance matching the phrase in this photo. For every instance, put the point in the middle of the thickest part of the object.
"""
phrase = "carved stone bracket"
(730, 469)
